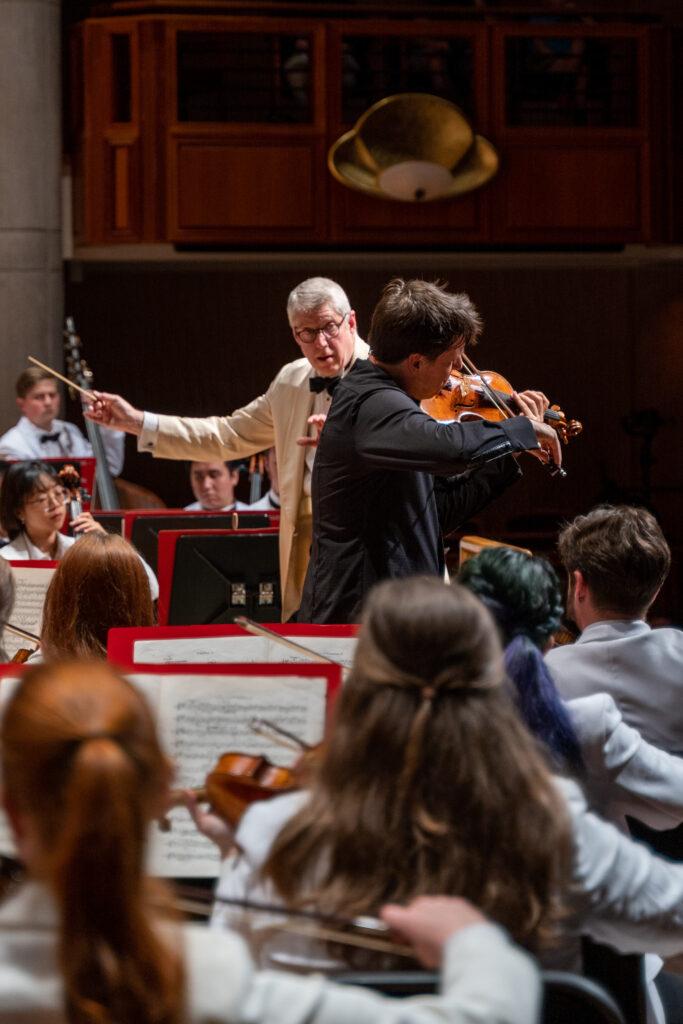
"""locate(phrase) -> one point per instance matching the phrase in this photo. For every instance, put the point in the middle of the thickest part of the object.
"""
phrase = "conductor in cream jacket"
(324, 327)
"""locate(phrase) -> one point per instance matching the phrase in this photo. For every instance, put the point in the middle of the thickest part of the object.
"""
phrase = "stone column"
(31, 290)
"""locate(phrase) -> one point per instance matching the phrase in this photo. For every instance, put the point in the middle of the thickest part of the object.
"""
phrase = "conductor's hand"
(318, 422)
(114, 412)
(210, 825)
(84, 523)
(533, 405)
(428, 922)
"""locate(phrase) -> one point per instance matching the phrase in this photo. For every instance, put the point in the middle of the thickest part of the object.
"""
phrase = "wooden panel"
(560, 188)
(361, 217)
(242, 185)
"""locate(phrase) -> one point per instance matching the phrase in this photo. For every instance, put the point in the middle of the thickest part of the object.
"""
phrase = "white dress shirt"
(22, 549)
(485, 979)
(23, 441)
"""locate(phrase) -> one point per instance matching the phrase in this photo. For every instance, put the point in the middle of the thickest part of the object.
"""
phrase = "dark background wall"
(600, 333)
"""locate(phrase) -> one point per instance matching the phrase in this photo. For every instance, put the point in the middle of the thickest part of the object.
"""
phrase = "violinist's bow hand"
(209, 824)
(114, 412)
(551, 449)
(317, 420)
(428, 922)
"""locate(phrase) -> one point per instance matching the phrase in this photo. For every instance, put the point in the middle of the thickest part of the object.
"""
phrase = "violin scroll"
(566, 429)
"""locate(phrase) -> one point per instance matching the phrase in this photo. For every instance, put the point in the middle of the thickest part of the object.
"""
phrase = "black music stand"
(216, 578)
(145, 533)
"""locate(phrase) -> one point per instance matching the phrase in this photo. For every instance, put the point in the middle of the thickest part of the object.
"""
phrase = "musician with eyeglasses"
(33, 507)
(288, 417)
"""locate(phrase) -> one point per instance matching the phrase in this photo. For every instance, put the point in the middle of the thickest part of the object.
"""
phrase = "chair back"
(575, 999)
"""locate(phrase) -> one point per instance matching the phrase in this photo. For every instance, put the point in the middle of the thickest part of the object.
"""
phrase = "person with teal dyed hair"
(621, 772)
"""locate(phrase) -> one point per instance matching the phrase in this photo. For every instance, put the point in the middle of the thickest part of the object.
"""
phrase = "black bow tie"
(318, 384)
(44, 438)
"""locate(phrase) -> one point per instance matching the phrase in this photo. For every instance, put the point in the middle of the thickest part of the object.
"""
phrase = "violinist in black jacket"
(389, 480)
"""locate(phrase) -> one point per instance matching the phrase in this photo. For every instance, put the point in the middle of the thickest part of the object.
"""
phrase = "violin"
(238, 780)
(486, 395)
(22, 654)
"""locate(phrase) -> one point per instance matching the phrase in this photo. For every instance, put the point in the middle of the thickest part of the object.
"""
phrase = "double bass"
(111, 494)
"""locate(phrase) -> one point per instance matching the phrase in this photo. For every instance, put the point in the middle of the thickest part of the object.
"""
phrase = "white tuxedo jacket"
(277, 418)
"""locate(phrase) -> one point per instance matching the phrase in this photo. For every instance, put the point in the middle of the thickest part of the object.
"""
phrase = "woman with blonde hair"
(84, 940)
(99, 584)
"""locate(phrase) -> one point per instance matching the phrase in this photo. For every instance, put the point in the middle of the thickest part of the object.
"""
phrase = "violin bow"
(500, 404)
(309, 924)
(505, 409)
(22, 633)
(256, 629)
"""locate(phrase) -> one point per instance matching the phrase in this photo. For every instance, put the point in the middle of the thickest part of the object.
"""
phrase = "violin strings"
(498, 402)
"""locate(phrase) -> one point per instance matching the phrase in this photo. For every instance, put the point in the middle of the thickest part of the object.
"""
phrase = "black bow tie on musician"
(44, 438)
(319, 384)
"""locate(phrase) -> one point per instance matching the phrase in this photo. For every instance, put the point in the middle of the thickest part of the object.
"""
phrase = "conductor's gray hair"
(314, 293)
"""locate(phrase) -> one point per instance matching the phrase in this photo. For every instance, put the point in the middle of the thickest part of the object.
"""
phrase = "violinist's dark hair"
(420, 316)
(231, 464)
(81, 760)
(429, 781)
(21, 481)
(622, 554)
(523, 594)
(99, 584)
(6, 601)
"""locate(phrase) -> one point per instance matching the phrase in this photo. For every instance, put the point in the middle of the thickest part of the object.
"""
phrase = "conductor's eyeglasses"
(307, 335)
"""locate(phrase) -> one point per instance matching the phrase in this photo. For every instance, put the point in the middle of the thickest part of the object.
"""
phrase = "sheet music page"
(207, 650)
(199, 719)
(31, 586)
(221, 649)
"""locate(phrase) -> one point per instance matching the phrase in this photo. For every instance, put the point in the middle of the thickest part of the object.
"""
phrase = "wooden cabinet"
(571, 118)
(214, 130)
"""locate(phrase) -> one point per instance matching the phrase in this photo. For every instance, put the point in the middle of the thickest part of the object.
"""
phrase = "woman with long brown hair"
(429, 781)
(83, 941)
(99, 584)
